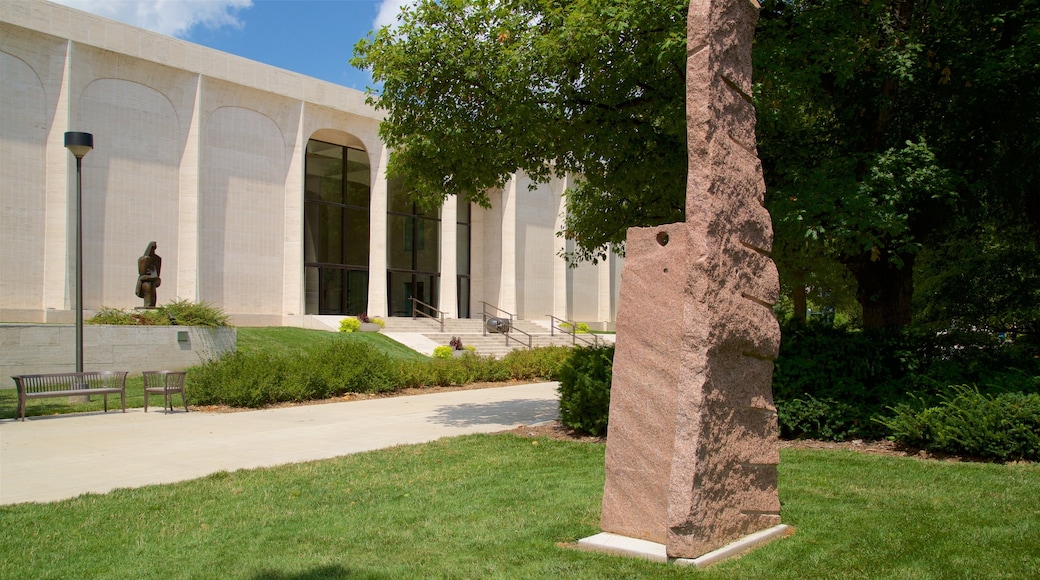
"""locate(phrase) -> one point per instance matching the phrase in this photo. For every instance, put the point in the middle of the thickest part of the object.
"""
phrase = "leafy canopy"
(475, 90)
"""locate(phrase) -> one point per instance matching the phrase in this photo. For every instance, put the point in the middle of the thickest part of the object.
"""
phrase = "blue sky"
(311, 37)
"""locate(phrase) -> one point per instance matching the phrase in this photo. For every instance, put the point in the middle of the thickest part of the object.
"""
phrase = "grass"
(499, 506)
(272, 340)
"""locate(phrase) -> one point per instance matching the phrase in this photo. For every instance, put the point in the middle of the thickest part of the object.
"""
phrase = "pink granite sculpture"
(692, 445)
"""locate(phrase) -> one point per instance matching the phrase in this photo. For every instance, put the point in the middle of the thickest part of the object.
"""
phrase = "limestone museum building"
(264, 190)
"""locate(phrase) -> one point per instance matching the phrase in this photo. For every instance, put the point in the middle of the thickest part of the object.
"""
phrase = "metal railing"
(416, 303)
(511, 328)
(558, 324)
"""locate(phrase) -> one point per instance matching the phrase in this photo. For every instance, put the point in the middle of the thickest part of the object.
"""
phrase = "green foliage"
(829, 382)
(116, 316)
(833, 383)
(444, 352)
(349, 325)
(542, 362)
(258, 379)
(585, 380)
(185, 313)
(580, 328)
(882, 137)
(177, 312)
(1005, 427)
(475, 90)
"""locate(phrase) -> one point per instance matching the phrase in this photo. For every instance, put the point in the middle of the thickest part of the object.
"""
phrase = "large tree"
(475, 90)
(888, 127)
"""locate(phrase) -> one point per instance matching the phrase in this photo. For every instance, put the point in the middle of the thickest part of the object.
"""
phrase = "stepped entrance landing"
(423, 335)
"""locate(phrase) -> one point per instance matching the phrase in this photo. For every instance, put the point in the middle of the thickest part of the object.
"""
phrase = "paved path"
(57, 457)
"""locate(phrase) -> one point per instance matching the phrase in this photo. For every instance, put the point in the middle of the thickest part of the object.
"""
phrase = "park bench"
(70, 385)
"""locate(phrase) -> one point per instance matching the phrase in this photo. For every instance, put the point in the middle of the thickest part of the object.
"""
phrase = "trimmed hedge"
(260, 379)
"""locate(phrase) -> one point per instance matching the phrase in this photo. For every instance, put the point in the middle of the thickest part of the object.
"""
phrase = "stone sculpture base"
(635, 548)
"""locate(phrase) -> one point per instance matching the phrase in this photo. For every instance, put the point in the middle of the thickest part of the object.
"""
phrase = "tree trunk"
(883, 290)
(798, 296)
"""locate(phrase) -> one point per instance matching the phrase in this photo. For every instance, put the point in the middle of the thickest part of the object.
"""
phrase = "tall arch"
(336, 224)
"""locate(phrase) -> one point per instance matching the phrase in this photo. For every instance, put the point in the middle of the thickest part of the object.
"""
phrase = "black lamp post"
(79, 144)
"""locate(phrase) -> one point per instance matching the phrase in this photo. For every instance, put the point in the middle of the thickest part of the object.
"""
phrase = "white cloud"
(170, 17)
(388, 11)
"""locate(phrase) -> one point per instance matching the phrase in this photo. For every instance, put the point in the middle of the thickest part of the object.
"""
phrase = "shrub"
(1005, 426)
(814, 418)
(349, 325)
(585, 389)
(537, 363)
(185, 313)
(178, 312)
(443, 352)
(363, 317)
(581, 328)
(259, 379)
(118, 317)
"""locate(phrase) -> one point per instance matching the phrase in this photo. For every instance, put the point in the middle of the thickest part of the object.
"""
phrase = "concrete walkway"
(57, 457)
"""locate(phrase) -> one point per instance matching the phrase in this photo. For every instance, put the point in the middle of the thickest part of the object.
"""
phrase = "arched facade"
(265, 191)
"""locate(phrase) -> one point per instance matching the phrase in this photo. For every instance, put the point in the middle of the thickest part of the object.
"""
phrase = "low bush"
(536, 363)
(585, 389)
(443, 352)
(349, 325)
(835, 383)
(259, 379)
(185, 313)
(256, 379)
(1005, 426)
(177, 312)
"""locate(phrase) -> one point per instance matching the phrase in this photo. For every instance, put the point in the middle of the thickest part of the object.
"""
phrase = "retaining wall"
(50, 348)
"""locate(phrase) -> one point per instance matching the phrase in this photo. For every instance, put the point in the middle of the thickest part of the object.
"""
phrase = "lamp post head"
(79, 143)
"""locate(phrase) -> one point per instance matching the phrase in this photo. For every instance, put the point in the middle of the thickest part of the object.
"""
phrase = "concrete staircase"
(423, 334)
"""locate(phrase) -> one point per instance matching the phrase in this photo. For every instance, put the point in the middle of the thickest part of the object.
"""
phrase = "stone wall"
(50, 348)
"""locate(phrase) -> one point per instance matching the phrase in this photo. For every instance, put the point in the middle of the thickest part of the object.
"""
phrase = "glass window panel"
(399, 288)
(462, 216)
(397, 197)
(355, 240)
(427, 246)
(463, 289)
(358, 178)
(311, 236)
(330, 234)
(311, 295)
(357, 292)
(399, 242)
(332, 290)
(462, 249)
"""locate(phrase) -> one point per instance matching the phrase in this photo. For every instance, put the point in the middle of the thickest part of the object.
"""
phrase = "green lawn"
(276, 339)
(502, 507)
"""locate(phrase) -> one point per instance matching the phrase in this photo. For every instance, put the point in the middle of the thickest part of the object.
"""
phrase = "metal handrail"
(415, 311)
(486, 315)
(573, 331)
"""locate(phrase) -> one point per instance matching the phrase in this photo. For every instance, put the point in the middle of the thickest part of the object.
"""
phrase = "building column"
(292, 245)
(559, 289)
(61, 177)
(377, 226)
(507, 277)
(188, 205)
(449, 290)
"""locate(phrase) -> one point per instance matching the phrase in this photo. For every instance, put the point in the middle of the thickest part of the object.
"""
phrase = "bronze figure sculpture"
(149, 265)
